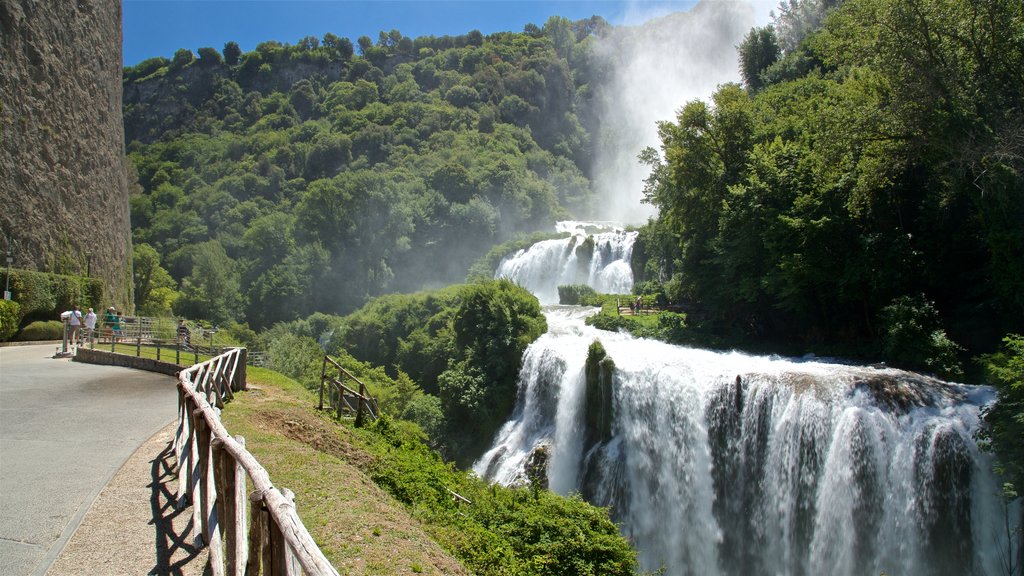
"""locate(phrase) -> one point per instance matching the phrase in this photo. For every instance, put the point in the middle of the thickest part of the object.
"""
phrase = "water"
(726, 463)
(594, 254)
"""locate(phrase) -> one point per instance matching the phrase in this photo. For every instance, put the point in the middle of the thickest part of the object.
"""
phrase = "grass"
(360, 528)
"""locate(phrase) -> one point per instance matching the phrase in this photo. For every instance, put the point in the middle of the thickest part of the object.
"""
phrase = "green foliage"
(154, 287)
(398, 164)
(10, 317)
(1004, 421)
(463, 344)
(912, 336)
(868, 163)
(43, 296)
(576, 294)
(41, 330)
(504, 530)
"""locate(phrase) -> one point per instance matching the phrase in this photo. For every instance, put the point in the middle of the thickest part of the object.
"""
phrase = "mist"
(654, 69)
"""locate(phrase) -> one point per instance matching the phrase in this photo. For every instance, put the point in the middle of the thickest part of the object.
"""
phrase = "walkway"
(65, 431)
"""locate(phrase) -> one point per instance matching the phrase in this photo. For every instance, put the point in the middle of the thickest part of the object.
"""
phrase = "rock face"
(63, 185)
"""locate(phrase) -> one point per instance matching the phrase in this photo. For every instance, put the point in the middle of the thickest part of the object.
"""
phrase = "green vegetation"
(500, 531)
(43, 296)
(1004, 421)
(10, 316)
(41, 330)
(301, 178)
(452, 356)
(861, 193)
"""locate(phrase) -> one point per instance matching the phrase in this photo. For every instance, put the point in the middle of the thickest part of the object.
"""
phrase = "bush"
(912, 336)
(575, 294)
(10, 317)
(43, 296)
(41, 330)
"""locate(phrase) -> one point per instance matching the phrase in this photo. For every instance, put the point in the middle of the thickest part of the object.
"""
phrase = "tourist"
(90, 325)
(113, 326)
(73, 318)
(184, 336)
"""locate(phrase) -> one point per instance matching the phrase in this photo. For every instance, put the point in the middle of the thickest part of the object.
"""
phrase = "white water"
(801, 468)
(594, 254)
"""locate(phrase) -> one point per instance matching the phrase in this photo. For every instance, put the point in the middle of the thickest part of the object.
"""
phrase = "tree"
(212, 290)
(182, 57)
(232, 52)
(758, 51)
(148, 277)
(365, 43)
(209, 57)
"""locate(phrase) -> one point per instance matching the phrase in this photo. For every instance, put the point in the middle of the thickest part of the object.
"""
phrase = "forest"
(858, 193)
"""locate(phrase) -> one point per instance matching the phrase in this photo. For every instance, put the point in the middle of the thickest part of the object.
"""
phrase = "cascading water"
(599, 259)
(725, 463)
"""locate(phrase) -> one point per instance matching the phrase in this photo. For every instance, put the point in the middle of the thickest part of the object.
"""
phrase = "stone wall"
(63, 188)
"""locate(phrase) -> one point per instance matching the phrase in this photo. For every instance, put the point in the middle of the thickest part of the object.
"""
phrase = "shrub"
(41, 330)
(912, 336)
(575, 294)
(10, 317)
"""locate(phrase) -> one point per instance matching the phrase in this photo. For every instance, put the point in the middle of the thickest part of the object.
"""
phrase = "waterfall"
(593, 254)
(726, 463)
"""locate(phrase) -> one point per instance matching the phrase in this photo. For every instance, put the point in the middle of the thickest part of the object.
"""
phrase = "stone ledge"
(114, 359)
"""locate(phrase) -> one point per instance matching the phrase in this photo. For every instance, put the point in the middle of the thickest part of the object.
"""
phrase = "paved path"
(65, 429)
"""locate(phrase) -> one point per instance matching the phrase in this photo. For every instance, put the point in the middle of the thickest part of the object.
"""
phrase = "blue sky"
(159, 27)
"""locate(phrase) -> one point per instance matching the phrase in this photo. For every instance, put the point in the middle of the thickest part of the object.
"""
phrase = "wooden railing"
(345, 399)
(212, 470)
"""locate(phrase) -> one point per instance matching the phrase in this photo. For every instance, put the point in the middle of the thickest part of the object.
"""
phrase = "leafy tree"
(212, 290)
(182, 57)
(209, 57)
(758, 50)
(232, 52)
(150, 279)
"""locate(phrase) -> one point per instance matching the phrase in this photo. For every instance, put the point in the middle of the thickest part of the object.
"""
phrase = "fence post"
(290, 561)
(323, 375)
(235, 514)
(258, 545)
(138, 345)
(238, 382)
(208, 496)
(360, 405)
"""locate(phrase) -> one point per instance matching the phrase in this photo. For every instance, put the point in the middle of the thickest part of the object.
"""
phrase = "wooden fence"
(247, 535)
(345, 399)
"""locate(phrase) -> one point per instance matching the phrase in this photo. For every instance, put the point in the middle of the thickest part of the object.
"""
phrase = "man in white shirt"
(90, 325)
(74, 318)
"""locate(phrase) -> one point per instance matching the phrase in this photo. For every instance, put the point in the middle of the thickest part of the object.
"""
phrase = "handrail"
(364, 402)
(212, 467)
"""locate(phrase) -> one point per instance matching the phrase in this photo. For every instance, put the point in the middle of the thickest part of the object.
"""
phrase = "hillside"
(378, 501)
(308, 178)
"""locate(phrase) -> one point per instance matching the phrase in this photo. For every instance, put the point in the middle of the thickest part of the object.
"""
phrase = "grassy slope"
(360, 528)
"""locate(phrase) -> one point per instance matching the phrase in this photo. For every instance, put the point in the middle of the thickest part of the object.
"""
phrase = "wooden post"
(208, 492)
(158, 349)
(257, 534)
(185, 455)
(239, 375)
(138, 345)
(291, 562)
(177, 353)
(278, 565)
(360, 405)
(200, 491)
(238, 542)
(323, 376)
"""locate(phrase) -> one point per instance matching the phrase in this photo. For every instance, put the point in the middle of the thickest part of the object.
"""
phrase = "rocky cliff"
(63, 188)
